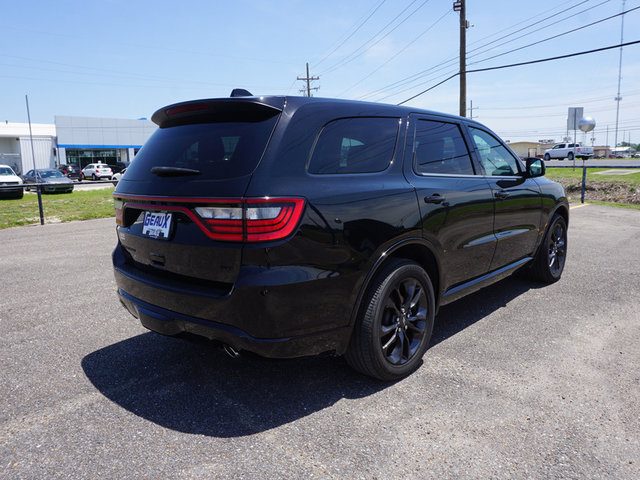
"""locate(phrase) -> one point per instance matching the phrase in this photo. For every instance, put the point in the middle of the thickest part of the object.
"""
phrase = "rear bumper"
(277, 321)
(171, 323)
(10, 191)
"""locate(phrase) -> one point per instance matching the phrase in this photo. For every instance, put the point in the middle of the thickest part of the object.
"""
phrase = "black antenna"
(241, 92)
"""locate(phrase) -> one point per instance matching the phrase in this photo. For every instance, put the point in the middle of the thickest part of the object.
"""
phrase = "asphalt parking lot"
(521, 381)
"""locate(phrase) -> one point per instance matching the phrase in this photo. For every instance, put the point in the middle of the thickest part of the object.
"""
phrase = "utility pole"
(459, 6)
(308, 79)
(471, 109)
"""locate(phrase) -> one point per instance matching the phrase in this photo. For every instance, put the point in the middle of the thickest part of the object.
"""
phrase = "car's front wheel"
(394, 325)
(547, 157)
(548, 263)
(94, 177)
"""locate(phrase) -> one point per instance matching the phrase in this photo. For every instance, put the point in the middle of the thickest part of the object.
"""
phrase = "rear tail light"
(118, 204)
(232, 220)
(252, 220)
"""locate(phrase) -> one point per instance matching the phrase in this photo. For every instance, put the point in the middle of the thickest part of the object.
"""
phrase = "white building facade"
(85, 140)
(77, 140)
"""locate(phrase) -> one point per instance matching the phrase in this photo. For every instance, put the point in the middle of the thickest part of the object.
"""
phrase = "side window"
(495, 158)
(355, 145)
(439, 148)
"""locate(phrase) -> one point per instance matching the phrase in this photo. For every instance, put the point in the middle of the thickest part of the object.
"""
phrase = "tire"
(549, 261)
(93, 177)
(547, 157)
(570, 156)
(81, 177)
(395, 322)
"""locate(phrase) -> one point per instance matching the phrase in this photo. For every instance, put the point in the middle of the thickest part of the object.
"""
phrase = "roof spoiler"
(240, 92)
(218, 110)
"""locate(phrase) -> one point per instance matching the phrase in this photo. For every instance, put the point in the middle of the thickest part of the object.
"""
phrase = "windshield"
(6, 171)
(50, 173)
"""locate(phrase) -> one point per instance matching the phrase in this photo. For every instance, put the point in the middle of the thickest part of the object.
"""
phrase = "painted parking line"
(573, 207)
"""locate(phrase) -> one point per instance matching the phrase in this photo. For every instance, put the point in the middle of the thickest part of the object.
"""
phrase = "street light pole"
(35, 170)
(618, 97)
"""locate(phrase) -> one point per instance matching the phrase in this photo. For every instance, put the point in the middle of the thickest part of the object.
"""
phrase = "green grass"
(62, 207)
(570, 174)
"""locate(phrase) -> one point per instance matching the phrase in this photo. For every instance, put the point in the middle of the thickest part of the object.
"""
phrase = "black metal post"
(35, 171)
(584, 180)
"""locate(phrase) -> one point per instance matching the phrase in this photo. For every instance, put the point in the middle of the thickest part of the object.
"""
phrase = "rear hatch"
(180, 206)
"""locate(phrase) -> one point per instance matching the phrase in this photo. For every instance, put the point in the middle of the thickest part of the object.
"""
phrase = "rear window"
(218, 150)
(355, 145)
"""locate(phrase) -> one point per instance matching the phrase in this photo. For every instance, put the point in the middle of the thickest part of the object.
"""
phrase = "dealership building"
(77, 140)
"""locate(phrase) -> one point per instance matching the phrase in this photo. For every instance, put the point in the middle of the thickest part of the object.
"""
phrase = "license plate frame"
(157, 225)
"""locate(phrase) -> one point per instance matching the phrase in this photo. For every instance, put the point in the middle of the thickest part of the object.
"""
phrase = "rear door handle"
(502, 194)
(435, 198)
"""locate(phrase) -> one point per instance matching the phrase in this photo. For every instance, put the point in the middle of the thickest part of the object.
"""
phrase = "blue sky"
(126, 58)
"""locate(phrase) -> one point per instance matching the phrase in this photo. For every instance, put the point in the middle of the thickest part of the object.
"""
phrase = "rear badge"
(157, 225)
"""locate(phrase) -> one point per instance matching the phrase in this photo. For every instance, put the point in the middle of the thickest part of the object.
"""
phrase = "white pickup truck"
(568, 151)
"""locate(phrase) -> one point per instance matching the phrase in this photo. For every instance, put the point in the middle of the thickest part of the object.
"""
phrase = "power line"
(537, 23)
(357, 52)
(351, 35)
(444, 64)
(424, 32)
(531, 62)
(556, 36)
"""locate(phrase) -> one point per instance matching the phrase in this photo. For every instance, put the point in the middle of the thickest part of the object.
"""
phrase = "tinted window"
(355, 145)
(439, 148)
(217, 150)
(494, 157)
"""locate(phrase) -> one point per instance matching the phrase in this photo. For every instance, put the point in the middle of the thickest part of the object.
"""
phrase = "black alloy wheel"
(552, 254)
(557, 249)
(403, 322)
(394, 328)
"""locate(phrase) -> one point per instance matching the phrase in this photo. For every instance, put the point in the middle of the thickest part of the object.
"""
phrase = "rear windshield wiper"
(174, 171)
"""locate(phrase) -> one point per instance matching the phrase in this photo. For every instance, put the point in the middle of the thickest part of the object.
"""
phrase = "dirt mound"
(602, 191)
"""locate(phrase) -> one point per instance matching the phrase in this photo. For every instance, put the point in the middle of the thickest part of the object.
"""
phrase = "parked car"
(96, 171)
(291, 226)
(71, 170)
(53, 180)
(119, 166)
(10, 183)
(569, 151)
(117, 176)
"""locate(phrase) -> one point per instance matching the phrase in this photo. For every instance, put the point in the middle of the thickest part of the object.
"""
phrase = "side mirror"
(535, 167)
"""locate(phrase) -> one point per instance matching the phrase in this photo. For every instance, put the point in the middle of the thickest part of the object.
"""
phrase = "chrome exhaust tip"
(229, 350)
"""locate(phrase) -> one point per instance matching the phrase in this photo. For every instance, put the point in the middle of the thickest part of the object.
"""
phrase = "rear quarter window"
(354, 145)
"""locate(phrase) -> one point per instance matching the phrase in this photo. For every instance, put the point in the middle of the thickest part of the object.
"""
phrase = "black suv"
(71, 171)
(292, 226)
